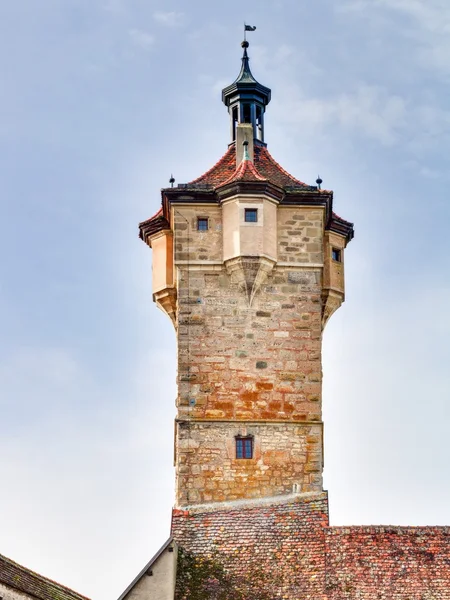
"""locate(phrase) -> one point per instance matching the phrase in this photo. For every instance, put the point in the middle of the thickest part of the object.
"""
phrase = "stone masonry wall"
(249, 362)
(258, 362)
(8, 593)
(300, 235)
(285, 454)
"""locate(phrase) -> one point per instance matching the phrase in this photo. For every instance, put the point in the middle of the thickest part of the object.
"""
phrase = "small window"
(336, 254)
(202, 224)
(244, 447)
(251, 215)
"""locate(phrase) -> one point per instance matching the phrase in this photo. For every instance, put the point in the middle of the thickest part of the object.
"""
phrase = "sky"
(101, 100)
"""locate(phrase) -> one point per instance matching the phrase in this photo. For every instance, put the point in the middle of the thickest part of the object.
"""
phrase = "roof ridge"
(38, 576)
(241, 170)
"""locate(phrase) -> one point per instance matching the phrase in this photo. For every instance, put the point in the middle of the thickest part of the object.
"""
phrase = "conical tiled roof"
(266, 168)
(246, 171)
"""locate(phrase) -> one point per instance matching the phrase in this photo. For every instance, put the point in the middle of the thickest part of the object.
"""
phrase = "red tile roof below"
(263, 162)
(401, 563)
(287, 550)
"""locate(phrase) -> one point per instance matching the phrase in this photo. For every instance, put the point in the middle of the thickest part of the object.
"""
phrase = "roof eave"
(243, 187)
(150, 563)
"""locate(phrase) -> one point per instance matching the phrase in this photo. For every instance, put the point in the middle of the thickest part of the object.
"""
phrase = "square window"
(244, 447)
(336, 254)
(251, 215)
(202, 224)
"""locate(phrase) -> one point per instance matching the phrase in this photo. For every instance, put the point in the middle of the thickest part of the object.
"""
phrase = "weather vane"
(247, 28)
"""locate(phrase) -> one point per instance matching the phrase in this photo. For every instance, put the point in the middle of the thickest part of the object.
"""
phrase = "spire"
(245, 76)
(246, 99)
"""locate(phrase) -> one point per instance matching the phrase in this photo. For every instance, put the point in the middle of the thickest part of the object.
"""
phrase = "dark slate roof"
(143, 571)
(246, 86)
(266, 166)
(28, 582)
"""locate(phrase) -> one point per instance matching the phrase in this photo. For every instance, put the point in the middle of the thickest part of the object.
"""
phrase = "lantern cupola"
(246, 100)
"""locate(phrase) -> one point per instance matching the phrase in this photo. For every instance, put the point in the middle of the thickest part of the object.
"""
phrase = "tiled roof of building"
(287, 550)
(154, 224)
(261, 552)
(388, 562)
(265, 165)
(28, 582)
(246, 171)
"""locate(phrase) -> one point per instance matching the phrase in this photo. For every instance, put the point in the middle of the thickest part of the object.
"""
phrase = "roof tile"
(28, 582)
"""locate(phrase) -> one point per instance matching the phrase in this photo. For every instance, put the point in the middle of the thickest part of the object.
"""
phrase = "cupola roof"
(246, 85)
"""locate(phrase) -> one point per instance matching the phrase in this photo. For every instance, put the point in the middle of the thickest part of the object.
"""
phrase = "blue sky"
(101, 101)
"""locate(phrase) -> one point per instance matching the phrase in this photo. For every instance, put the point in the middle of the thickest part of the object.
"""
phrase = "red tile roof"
(287, 550)
(28, 582)
(388, 562)
(246, 171)
(154, 224)
(263, 162)
(221, 171)
(263, 168)
(261, 552)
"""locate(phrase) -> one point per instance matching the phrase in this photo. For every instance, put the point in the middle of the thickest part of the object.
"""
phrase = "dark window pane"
(248, 448)
(202, 224)
(251, 215)
(239, 448)
(336, 254)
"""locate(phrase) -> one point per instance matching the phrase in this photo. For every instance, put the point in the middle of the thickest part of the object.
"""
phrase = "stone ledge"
(241, 422)
(252, 503)
(387, 529)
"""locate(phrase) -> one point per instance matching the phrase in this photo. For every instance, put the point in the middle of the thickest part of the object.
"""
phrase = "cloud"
(141, 38)
(367, 110)
(169, 18)
(370, 112)
(427, 21)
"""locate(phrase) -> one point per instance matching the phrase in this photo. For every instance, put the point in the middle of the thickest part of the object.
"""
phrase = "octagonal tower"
(248, 263)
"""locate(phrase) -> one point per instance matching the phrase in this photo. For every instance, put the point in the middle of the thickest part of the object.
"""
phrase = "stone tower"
(248, 263)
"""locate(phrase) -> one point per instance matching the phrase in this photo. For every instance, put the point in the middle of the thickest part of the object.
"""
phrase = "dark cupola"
(246, 100)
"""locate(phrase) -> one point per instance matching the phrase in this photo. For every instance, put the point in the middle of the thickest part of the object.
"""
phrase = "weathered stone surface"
(284, 454)
(249, 339)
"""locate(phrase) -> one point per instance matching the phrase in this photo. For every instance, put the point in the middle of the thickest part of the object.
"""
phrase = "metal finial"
(246, 154)
(318, 181)
(171, 180)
